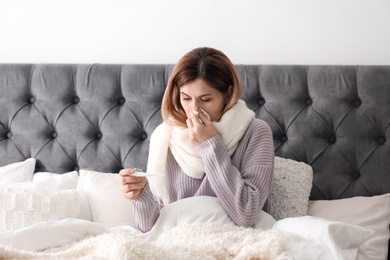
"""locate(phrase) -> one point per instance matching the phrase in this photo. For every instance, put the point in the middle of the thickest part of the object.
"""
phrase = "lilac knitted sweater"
(242, 182)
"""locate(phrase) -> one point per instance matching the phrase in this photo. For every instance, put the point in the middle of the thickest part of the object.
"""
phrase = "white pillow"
(107, 203)
(49, 181)
(369, 212)
(85, 211)
(17, 172)
(57, 181)
(326, 239)
(290, 188)
(21, 208)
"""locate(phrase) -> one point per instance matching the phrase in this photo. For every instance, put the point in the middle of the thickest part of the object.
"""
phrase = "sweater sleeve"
(146, 210)
(243, 187)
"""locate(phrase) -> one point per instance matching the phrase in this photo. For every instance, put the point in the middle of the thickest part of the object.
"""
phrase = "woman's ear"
(228, 94)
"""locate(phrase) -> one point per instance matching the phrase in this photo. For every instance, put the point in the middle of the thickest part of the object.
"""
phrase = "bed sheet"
(204, 232)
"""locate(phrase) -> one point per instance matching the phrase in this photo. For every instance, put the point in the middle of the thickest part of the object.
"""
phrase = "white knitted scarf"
(231, 127)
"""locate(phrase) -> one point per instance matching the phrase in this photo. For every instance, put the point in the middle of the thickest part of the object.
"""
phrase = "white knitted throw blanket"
(231, 127)
(193, 241)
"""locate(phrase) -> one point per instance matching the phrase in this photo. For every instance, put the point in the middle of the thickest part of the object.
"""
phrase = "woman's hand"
(131, 186)
(199, 132)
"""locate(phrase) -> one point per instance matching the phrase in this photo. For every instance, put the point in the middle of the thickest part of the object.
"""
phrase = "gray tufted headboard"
(100, 117)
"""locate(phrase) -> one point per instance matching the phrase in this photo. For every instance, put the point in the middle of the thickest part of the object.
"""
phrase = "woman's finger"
(196, 121)
(130, 179)
(130, 189)
(126, 172)
(205, 120)
(189, 123)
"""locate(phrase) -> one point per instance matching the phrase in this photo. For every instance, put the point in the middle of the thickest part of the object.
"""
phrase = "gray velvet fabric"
(100, 117)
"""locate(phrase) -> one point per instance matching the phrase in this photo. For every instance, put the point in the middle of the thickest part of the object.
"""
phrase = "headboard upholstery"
(100, 117)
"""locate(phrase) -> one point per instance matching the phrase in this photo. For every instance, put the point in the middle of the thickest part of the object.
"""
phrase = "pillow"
(291, 187)
(21, 208)
(17, 172)
(369, 212)
(107, 203)
(322, 238)
(57, 181)
(85, 210)
(49, 181)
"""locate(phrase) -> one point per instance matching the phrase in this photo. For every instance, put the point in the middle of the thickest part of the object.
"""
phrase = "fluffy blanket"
(192, 241)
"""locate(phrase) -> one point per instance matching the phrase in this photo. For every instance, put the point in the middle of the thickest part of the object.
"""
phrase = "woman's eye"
(205, 100)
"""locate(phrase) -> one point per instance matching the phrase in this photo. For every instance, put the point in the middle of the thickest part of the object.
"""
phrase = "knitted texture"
(21, 208)
(193, 241)
(290, 188)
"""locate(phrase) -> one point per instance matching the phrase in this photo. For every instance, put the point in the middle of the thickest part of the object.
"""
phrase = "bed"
(67, 129)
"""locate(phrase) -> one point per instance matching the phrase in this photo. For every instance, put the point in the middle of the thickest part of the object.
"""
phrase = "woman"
(224, 152)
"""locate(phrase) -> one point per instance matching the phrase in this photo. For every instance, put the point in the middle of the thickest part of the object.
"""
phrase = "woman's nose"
(195, 106)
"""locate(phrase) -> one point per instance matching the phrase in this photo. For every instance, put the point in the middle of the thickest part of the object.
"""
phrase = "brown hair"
(208, 64)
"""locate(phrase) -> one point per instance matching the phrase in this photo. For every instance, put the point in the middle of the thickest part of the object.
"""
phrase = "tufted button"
(144, 136)
(76, 168)
(54, 135)
(31, 100)
(76, 100)
(8, 135)
(261, 101)
(357, 102)
(283, 138)
(309, 102)
(121, 101)
(381, 140)
(332, 139)
(356, 175)
(99, 135)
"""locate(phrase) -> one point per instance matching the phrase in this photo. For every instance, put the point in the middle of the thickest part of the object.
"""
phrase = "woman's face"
(198, 94)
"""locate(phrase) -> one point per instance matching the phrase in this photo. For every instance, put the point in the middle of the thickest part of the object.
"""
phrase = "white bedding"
(211, 241)
(34, 226)
(180, 233)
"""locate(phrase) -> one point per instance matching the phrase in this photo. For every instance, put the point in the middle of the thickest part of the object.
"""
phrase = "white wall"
(161, 31)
